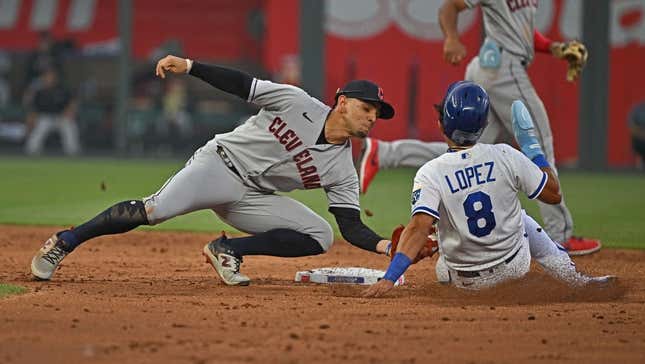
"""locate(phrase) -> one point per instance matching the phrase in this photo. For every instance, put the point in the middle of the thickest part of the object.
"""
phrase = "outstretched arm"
(413, 239)
(453, 50)
(524, 131)
(226, 79)
(356, 233)
(541, 43)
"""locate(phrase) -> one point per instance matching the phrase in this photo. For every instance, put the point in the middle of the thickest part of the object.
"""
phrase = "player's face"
(360, 116)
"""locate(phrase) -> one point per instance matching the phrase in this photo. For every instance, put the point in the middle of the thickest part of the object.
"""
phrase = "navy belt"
(227, 161)
(473, 274)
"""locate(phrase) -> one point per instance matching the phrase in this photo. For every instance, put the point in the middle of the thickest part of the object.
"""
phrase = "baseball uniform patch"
(415, 195)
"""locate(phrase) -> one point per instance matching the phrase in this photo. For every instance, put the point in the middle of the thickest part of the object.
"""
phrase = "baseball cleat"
(524, 130)
(577, 245)
(47, 259)
(225, 262)
(368, 163)
(601, 282)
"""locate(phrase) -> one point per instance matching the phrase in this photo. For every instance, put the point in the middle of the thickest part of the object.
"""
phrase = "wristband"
(388, 248)
(540, 161)
(189, 65)
(398, 265)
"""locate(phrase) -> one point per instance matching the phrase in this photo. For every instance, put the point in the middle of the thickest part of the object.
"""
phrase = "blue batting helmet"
(464, 113)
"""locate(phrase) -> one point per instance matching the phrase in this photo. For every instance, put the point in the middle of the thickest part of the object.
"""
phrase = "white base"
(343, 275)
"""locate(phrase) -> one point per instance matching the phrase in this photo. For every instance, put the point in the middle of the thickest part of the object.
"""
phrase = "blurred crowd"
(56, 100)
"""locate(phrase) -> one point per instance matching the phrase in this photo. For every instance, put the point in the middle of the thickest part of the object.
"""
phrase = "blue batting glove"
(525, 131)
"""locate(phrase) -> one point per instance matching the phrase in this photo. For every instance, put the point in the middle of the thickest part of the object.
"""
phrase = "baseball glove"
(575, 53)
(428, 249)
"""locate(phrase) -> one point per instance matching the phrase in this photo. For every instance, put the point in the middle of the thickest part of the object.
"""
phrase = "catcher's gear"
(575, 53)
(428, 249)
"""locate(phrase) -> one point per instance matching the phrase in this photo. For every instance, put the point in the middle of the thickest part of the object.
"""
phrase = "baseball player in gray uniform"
(485, 237)
(294, 142)
(500, 68)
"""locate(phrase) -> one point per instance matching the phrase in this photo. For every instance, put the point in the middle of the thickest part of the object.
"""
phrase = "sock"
(277, 243)
(122, 217)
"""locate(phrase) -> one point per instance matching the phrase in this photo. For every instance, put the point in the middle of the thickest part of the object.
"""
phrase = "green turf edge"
(8, 290)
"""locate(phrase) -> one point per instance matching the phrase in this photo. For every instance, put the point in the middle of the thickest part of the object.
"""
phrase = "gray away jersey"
(473, 193)
(276, 150)
(510, 23)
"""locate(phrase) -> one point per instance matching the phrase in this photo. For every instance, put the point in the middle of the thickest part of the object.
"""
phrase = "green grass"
(68, 191)
(7, 290)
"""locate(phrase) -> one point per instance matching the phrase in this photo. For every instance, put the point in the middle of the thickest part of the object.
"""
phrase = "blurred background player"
(500, 67)
(485, 237)
(52, 107)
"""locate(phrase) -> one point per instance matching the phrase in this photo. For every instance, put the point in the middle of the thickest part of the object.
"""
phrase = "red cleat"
(368, 164)
(577, 245)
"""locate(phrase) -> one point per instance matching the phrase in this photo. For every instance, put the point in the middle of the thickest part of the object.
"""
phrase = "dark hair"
(439, 109)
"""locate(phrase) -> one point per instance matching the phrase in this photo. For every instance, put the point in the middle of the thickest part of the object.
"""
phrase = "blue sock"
(276, 243)
(70, 238)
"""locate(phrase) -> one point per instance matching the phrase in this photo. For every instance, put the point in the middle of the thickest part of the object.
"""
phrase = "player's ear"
(342, 103)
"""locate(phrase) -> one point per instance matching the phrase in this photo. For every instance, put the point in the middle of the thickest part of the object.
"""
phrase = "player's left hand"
(378, 289)
(171, 63)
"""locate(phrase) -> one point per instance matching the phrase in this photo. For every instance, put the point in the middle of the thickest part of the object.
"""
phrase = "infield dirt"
(148, 297)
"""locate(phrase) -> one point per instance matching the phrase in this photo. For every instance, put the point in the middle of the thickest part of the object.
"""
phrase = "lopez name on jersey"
(465, 178)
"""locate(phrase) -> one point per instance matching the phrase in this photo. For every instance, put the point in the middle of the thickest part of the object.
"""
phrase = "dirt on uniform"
(148, 297)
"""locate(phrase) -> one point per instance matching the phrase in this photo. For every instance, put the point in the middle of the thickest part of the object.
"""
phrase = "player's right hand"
(378, 289)
(171, 63)
(453, 51)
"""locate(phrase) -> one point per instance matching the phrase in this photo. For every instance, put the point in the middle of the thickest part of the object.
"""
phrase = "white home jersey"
(510, 23)
(473, 193)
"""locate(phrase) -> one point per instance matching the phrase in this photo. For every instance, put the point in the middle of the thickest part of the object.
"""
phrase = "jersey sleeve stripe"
(540, 187)
(426, 210)
(253, 87)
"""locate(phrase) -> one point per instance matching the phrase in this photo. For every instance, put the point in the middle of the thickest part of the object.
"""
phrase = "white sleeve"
(274, 96)
(530, 178)
(425, 195)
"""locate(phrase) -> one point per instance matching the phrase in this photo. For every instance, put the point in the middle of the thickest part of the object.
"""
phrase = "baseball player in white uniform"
(485, 237)
(293, 142)
(500, 67)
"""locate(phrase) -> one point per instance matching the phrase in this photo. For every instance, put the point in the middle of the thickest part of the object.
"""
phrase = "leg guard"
(122, 217)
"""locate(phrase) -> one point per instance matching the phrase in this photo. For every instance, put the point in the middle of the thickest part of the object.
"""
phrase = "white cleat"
(47, 259)
(225, 262)
(602, 281)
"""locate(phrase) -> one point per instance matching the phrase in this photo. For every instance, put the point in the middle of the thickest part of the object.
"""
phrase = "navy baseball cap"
(367, 91)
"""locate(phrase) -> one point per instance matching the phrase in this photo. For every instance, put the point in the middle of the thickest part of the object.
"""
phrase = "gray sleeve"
(472, 3)
(274, 96)
(344, 194)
